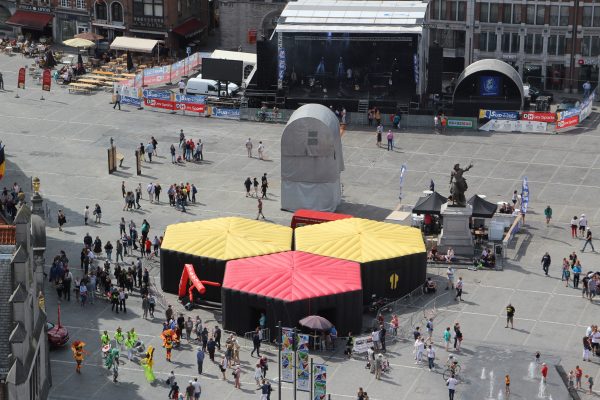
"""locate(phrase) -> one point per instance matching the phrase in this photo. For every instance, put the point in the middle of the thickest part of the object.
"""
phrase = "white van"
(209, 87)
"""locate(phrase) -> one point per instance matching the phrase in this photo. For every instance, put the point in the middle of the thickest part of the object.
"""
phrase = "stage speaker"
(435, 69)
(266, 59)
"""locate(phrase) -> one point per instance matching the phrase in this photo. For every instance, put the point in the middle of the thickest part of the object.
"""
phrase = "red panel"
(311, 217)
(28, 19)
(189, 28)
(292, 275)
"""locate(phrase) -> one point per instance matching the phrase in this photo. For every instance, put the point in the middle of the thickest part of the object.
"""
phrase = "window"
(561, 45)
(487, 41)
(153, 8)
(101, 12)
(587, 16)
(556, 45)
(554, 15)
(559, 15)
(507, 13)
(564, 16)
(530, 14)
(516, 14)
(116, 12)
(538, 44)
(515, 43)
(494, 12)
(438, 9)
(81, 4)
(596, 20)
(552, 42)
(483, 41)
(484, 9)
(462, 11)
(540, 15)
(492, 40)
(65, 3)
(590, 46)
(529, 43)
(505, 45)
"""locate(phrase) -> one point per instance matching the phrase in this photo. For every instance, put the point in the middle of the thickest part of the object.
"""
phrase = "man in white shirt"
(249, 147)
(181, 86)
(451, 383)
(450, 274)
(197, 389)
(375, 338)
(150, 190)
(261, 149)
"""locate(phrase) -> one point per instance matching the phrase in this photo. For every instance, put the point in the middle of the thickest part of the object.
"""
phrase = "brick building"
(553, 44)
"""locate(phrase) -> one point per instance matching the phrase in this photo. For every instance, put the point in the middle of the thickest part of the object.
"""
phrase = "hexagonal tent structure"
(393, 258)
(209, 244)
(289, 286)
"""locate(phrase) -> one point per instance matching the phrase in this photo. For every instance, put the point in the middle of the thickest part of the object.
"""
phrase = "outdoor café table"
(90, 81)
(100, 72)
(128, 75)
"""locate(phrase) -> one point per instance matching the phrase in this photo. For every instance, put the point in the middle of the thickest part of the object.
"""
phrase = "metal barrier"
(264, 334)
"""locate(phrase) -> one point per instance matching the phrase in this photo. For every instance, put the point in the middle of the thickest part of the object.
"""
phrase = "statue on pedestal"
(458, 185)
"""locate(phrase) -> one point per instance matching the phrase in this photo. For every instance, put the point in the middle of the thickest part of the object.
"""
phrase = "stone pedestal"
(37, 205)
(456, 232)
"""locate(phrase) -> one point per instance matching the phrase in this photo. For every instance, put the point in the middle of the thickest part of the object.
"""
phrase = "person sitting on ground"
(449, 255)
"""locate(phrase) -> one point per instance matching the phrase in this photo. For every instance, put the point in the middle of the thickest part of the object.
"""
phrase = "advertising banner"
(567, 122)
(303, 364)
(190, 107)
(416, 69)
(178, 70)
(538, 116)
(46, 80)
(157, 94)
(499, 125)
(362, 344)
(281, 65)
(184, 98)
(21, 80)
(586, 107)
(460, 123)
(567, 113)
(319, 381)
(159, 103)
(494, 114)
(489, 85)
(226, 113)
(287, 355)
(156, 75)
(129, 95)
(524, 195)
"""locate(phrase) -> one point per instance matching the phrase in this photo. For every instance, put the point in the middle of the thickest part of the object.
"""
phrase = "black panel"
(434, 69)
(266, 59)
(222, 70)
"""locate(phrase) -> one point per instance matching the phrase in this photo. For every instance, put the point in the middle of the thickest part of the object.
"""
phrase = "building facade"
(242, 22)
(552, 44)
(70, 18)
(24, 359)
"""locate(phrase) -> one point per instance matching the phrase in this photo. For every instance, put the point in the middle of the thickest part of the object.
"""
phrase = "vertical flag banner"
(402, 172)
(524, 195)
(287, 354)
(319, 382)
(21, 81)
(303, 364)
(2, 162)
(46, 80)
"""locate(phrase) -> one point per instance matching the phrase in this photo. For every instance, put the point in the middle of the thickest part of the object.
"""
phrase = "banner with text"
(319, 381)
(567, 122)
(129, 94)
(303, 364)
(538, 116)
(287, 355)
(225, 113)
(500, 125)
(495, 114)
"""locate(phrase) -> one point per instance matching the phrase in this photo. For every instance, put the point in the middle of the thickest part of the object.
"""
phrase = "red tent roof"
(292, 275)
(189, 28)
(28, 19)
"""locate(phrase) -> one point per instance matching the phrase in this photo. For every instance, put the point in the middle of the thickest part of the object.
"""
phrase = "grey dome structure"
(311, 160)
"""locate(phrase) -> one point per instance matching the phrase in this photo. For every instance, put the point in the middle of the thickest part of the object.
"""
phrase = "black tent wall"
(376, 276)
(344, 310)
(207, 269)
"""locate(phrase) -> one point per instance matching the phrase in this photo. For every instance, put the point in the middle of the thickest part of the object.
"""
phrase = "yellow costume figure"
(119, 338)
(78, 353)
(168, 336)
(147, 363)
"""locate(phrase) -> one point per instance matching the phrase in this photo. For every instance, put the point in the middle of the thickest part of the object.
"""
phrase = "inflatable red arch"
(189, 274)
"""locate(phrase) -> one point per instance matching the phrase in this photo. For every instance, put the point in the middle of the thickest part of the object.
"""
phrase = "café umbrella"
(76, 42)
(89, 36)
(316, 323)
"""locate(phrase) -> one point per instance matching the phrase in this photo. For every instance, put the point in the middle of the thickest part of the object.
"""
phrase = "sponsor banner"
(303, 364)
(184, 98)
(281, 66)
(586, 107)
(459, 123)
(498, 125)
(133, 101)
(416, 69)
(21, 80)
(191, 107)
(319, 381)
(157, 94)
(538, 116)
(524, 195)
(159, 103)
(362, 344)
(178, 70)
(129, 95)
(494, 114)
(46, 80)
(156, 75)
(489, 85)
(287, 355)
(226, 113)
(567, 122)
(567, 113)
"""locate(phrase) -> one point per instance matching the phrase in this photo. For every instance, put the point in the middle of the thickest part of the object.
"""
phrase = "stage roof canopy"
(133, 44)
(340, 16)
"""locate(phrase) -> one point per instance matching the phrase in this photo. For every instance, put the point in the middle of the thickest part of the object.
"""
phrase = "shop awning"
(189, 28)
(133, 44)
(30, 20)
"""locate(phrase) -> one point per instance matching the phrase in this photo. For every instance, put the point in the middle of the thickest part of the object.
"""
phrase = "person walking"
(458, 336)
(248, 186)
(444, 123)
(582, 222)
(459, 289)
(1, 81)
(211, 345)
(97, 213)
(237, 373)
(450, 274)
(390, 140)
(117, 100)
(61, 219)
(256, 343)
(544, 372)
(447, 337)
(576, 274)
(260, 209)
(431, 357)
(173, 154)
(548, 215)
(451, 383)
(510, 313)
(199, 359)
(379, 134)
(261, 150)
(546, 261)
(255, 185)
(588, 240)
(86, 214)
(249, 147)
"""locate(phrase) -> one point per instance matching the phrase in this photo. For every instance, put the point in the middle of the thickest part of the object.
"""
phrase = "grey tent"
(311, 160)
(430, 204)
(481, 207)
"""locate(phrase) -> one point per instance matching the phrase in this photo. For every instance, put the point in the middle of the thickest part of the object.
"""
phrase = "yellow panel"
(360, 240)
(227, 238)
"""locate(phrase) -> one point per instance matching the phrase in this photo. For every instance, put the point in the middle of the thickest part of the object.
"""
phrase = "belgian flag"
(2, 162)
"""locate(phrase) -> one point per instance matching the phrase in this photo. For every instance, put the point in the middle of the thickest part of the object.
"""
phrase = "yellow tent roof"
(227, 238)
(360, 240)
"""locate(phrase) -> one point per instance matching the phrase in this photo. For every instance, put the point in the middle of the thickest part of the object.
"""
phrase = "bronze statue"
(459, 186)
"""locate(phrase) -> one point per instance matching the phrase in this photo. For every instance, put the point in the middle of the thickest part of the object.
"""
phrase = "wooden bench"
(120, 158)
(77, 89)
